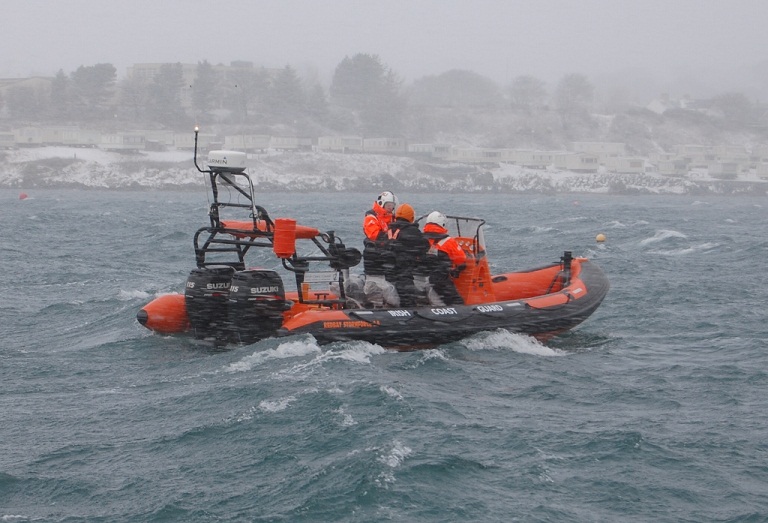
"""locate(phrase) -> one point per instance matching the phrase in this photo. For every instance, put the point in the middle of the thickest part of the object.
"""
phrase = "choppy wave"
(505, 340)
(289, 349)
(703, 247)
(618, 419)
(663, 236)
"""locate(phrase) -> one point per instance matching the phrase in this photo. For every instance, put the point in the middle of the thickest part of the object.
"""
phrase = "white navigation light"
(226, 161)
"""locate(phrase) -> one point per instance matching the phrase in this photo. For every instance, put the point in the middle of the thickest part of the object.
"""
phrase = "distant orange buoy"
(23, 196)
(600, 238)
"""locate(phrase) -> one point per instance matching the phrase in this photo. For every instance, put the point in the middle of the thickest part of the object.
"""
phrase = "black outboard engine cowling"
(256, 304)
(205, 297)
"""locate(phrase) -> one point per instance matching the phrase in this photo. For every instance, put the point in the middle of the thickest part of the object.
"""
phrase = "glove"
(454, 273)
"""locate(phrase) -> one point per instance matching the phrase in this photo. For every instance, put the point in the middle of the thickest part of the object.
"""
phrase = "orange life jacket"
(446, 244)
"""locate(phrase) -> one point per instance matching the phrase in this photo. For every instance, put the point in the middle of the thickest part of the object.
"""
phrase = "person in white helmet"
(444, 262)
(376, 258)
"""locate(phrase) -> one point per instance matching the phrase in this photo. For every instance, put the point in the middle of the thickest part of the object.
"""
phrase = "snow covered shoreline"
(66, 167)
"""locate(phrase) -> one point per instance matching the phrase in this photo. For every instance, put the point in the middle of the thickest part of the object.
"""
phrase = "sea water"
(654, 409)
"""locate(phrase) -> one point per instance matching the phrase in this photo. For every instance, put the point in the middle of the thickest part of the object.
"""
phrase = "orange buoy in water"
(23, 196)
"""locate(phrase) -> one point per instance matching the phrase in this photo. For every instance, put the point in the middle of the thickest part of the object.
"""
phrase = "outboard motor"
(205, 297)
(256, 304)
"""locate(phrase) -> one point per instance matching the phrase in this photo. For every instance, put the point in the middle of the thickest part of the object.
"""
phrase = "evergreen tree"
(244, 92)
(134, 98)
(574, 94)
(60, 96)
(527, 92)
(25, 103)
(204, 88)
(735, 107)
(286, 98)
(383, 115)
(165, 93)
(93, 90)
(363, 85)
(317, 104)
(355, 80)
(456, 88)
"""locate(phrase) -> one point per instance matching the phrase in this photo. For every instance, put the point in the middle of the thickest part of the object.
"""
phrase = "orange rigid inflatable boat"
(227, 302)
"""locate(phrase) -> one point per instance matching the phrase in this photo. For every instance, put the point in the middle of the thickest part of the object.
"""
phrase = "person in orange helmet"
(376, 258)
(408, 247)
(445, 261)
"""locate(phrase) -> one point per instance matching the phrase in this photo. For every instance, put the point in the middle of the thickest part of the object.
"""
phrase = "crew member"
(444, 261)
(376, 259)
(408, 246)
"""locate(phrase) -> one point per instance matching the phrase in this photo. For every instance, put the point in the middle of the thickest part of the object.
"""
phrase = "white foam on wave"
(571, 219)
(396, 455)
(391, 392)
(288, 349)
(392, 458)
(356, 351)
(265, 406)
(346, 419)
(124, 295)
(430, 355)
(661, 235)
(276, 405)
(616, 224)
(503, 339)
(687, 250)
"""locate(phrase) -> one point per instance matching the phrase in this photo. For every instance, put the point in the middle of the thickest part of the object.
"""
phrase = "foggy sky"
(501, 39)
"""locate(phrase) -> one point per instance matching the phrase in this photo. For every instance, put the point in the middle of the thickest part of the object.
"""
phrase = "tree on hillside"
(286, 100)
(26, 103)
(735, 107)
(93, 89)
(365, 86)
(574, 94)
(317, 104)
(60, 96)
(165, 95)
(384, 113)
(204, 88)
(134, 98)
(356, 79)
(455, 88)
(527, 92)
(244, 91)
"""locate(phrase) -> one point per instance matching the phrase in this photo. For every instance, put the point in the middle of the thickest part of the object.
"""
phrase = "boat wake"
(502, 339)
(297, 348)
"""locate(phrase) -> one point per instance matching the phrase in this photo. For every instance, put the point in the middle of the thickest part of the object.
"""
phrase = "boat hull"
(542, 316)
(525, 309)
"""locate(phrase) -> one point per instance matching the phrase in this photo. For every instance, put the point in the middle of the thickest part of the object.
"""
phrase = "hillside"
(63, 167)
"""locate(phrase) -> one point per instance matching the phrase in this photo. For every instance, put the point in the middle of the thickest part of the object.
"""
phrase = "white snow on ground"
(324, 171)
